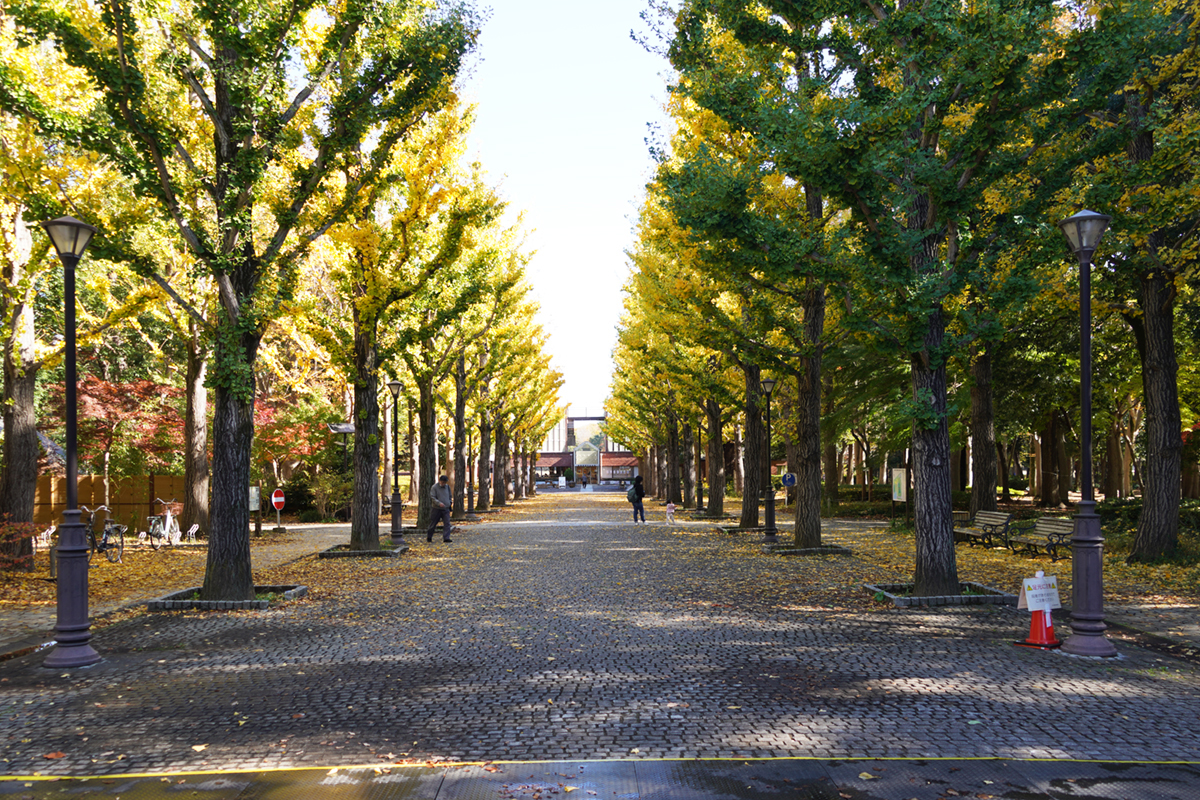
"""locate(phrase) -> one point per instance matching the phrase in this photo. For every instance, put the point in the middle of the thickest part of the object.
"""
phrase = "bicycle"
(112, 539)
(163, 527)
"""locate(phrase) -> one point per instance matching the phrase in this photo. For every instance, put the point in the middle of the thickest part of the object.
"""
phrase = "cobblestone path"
(557, 630)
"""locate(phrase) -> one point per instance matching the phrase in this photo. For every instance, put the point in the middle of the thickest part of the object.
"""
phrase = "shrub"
(330, 493)
(1119, 519)
(16, 545)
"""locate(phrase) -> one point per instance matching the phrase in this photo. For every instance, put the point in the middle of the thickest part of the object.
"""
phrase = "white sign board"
(562, 482)
(255, 498)
(900, 485)
(1039, 593)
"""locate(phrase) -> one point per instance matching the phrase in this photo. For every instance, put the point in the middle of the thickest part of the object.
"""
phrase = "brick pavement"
(559, 631)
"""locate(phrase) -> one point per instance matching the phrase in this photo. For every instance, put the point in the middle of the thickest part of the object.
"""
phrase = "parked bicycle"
(164, 527)
(112, 540)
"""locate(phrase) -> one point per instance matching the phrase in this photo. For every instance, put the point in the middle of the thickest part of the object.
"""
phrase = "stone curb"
(337, 552)
(894, 592)
(181, 601)
(823, 550)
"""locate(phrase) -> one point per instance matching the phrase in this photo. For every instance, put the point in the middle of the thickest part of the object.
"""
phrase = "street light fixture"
(72, 630)
(397, 529)
(772, 533)
(1084, 231)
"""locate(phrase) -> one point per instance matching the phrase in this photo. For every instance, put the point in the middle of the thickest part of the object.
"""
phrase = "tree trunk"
(739, 461)
(808, 421)
(228, 574)
(983, 434)
(500, 490)
(484, 477)
(414, 449)
(1060, 454)
(856, 470)
(687, 464)
(1158, 527)
(936, 569)
(701, 474)
(1002, 461)
(18, 481)
(1114, 462)
(195, 427)
(460, 440)
(427, 448)
(364, 504)
(716, 459)
(1047, 465)
(663, 472)
(752, 466)
(673, 493)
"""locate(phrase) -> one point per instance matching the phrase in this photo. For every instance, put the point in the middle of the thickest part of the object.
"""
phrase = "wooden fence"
(131, 500)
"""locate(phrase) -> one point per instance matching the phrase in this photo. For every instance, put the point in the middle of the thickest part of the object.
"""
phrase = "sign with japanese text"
(1039, 593)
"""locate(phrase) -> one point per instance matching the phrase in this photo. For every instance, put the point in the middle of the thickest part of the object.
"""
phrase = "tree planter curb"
(733, 530)
(182, 601)
(823, 550)
(989, 597)
(341, 551)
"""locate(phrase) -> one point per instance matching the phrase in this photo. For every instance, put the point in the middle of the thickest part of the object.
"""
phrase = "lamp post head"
(768, 385)
(70, 237)
(1084, 231)
(394, 388)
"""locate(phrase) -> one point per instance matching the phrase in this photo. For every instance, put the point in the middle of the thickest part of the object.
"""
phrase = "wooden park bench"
(989, 528)
(1051, 535)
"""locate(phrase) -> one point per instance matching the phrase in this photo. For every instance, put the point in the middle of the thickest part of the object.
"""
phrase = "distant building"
(577, 447)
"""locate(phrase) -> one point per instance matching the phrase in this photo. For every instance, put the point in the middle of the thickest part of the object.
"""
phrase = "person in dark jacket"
(439, 495)
(639, 493)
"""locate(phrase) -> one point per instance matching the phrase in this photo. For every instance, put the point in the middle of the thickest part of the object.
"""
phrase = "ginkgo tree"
(903, 115)
(412, 227)
(294, 96)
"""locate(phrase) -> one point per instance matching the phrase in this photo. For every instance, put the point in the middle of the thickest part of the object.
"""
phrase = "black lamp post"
(772, 533)
(397, 501)
(1083, 231)
(72, 629)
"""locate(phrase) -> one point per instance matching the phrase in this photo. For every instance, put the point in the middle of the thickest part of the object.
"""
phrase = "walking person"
(635, 495)
(439, 493)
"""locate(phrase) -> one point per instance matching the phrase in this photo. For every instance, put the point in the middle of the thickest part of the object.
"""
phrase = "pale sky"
(563, 100)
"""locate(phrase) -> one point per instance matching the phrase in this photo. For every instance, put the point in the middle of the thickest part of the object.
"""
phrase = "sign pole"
(277, 501)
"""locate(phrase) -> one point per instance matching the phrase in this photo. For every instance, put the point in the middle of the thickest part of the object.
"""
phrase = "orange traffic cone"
(1041, 632)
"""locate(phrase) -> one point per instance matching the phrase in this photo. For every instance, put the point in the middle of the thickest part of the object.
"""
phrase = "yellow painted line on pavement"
(457, 764)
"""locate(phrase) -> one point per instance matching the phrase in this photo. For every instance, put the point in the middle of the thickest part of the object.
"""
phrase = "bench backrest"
(992, 518)
(1054, 525)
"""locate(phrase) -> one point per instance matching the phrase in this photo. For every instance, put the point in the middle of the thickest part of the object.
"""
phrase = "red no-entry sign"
(277, 499)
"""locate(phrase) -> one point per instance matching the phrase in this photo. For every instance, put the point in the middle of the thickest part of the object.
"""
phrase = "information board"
(1039, 593)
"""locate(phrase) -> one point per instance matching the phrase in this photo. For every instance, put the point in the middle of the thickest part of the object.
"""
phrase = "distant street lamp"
(397, 501)
(1084, 231)
(72, 630)
(772, 533)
